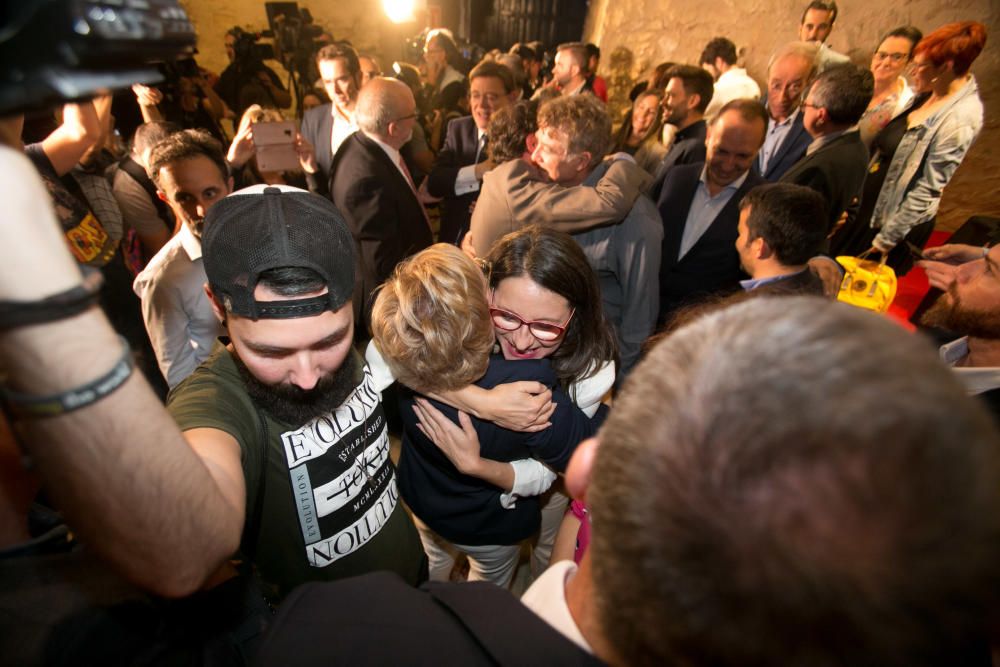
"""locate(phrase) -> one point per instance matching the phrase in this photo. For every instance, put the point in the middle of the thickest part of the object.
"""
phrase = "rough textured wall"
(635, 35)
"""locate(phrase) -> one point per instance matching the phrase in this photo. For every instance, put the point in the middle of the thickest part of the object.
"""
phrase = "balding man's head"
(386, 110)
(734, 138)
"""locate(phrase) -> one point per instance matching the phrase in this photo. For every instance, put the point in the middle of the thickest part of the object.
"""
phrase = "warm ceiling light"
(398, 11)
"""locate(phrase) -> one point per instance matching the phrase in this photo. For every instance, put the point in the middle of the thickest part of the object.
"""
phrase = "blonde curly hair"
(431, 320)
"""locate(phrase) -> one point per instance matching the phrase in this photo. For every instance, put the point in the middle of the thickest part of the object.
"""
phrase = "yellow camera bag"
(867, 283)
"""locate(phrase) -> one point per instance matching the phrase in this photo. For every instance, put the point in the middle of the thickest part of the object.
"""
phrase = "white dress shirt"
(704, 210)
(547, 598)
(733, 84)
(179, 319)
(466, 181)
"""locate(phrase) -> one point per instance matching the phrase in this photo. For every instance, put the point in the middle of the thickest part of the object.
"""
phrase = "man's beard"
(293, 405)
(949, 313)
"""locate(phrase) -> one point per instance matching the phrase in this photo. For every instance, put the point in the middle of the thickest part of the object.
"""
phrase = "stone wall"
(635, 35)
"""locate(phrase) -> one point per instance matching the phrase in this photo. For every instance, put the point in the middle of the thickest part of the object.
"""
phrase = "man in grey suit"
(328, 125)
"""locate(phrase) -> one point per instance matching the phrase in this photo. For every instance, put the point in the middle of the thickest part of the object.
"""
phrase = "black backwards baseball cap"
(276, 226)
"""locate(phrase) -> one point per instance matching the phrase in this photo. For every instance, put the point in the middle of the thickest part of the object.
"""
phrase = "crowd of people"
(467, 318)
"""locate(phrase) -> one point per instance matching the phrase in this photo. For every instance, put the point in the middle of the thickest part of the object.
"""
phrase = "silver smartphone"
(274, 145)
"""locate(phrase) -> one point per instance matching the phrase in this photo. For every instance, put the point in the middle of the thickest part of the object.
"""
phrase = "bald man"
(370, 184)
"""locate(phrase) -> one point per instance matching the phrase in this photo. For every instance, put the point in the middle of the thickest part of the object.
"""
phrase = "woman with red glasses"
(542, 306)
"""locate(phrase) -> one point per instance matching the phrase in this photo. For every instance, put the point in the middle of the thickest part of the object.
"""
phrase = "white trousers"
(493, 562)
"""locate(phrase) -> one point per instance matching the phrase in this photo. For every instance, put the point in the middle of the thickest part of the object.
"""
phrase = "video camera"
(249, 53)
(295, 37)
(53, 51)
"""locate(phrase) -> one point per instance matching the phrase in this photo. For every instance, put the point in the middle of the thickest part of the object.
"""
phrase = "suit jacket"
(688, 148)
(317, 126)
(803, 283)
(460, 146)
(788, 153)
(836, 170)
(382, 211)
(379, 620)
(515, 194)
(712, 265)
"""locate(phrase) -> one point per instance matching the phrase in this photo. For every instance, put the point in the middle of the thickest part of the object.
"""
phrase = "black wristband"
(34, 407)
(59, 306)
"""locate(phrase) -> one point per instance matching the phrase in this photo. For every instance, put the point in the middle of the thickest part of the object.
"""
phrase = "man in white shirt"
(328, 125)
(190, 174)
(816, 26)
(731, 82)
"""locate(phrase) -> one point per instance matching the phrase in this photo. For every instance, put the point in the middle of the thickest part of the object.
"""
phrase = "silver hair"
(806, 50)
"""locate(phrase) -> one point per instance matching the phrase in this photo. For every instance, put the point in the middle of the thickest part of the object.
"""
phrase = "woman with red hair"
(916, 154)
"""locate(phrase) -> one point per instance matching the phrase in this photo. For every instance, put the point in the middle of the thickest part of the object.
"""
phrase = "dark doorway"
(501, 23)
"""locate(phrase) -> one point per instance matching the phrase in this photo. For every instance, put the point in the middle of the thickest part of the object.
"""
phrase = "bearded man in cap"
(284, 413)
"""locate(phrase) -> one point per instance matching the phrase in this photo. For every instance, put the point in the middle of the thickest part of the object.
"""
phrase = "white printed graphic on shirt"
(343, 481)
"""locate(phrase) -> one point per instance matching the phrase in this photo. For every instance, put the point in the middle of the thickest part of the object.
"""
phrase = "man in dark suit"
(785, 143)
(328, 125)
(781, 228)
(836, 161)
(459, 168)
(700, 204)
(689, 92)
(370, 184)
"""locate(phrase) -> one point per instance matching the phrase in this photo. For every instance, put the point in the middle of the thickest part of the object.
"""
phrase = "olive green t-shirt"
(330, 507)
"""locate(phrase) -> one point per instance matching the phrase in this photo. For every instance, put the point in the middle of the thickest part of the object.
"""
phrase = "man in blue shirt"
(781, 228)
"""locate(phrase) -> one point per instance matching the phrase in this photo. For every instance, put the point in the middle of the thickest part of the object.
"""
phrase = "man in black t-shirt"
(284, 413)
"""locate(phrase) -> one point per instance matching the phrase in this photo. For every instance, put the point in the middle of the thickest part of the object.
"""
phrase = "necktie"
(413, 186)
(481, 149)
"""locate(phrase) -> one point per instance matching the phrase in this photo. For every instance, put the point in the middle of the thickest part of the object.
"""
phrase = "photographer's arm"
(80, 129)
(148, 99)
(282, 98)
(211, 101)
(119, 469)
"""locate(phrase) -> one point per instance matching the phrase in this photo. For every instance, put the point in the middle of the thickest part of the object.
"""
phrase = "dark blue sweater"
(466, 510)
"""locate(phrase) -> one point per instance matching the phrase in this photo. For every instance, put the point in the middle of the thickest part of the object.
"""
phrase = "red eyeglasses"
(543, 331)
